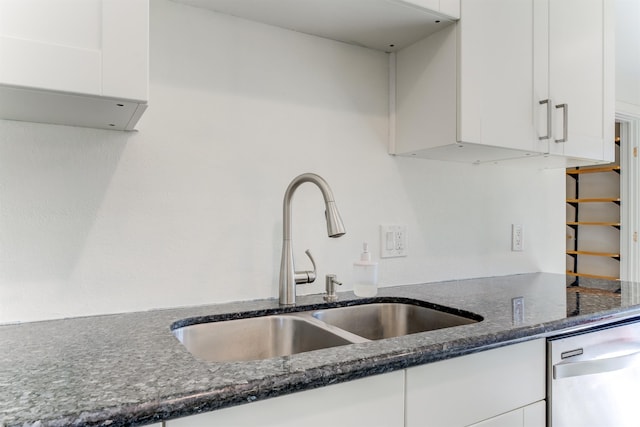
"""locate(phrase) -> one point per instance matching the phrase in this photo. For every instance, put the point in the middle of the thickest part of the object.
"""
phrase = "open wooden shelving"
(596, 200)
(591, 253)
(597, 223)
(592, 216)
(597, 169)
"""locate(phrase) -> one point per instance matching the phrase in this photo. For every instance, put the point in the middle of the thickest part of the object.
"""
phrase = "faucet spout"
(289, 277)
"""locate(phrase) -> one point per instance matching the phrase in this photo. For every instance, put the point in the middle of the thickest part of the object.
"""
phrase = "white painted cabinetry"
(495, 388)
(581, 63)
(372, 401)
(628, 57)
(81, 63)
(500, 383)
(472, 92)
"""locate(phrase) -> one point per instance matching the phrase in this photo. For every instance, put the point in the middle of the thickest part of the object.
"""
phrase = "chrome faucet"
(289, 277)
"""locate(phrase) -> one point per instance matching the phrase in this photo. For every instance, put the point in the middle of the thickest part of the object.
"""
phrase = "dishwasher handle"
(595, 366)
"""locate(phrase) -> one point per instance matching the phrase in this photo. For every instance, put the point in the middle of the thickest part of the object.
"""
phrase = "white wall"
(188, 210)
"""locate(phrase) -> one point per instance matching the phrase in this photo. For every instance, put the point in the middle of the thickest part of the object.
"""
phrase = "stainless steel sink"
(264, 337)
(386, 320)
(255, 338)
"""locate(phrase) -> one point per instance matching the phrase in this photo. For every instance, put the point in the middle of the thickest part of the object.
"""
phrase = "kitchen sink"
(264, 337)
(386, 320)
(255, 338)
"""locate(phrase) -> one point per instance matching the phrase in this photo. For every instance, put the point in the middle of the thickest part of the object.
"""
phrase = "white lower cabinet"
(466, 390)
(503, 387)
(371, 401)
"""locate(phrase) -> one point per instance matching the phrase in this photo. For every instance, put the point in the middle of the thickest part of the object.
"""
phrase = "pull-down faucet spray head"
(335, 227)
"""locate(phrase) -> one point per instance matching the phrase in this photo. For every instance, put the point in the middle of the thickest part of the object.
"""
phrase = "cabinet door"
(496, 74)
(80, 63)
(627, 42)
(372, 401)
(469, 84)
(90, 47)
(465, 390)
(580, 78)
(52, 45)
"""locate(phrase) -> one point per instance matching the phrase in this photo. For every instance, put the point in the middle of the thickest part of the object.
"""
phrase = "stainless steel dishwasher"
(594, 377)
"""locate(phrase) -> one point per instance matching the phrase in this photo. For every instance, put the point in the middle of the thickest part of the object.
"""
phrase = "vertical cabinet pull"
(548, 135)
(565, 122)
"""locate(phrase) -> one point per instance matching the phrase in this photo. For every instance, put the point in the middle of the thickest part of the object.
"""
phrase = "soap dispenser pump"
(365, 280)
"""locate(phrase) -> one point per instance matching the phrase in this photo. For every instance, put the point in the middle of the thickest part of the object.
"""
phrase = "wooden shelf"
(592, 276)
(610, 168)
(597, 223)
(595, 291)
(590, 253)
(596, 200)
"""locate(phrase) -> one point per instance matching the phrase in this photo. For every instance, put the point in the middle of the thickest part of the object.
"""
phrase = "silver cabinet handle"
(565, 120)
(595, 366)
(548, 135)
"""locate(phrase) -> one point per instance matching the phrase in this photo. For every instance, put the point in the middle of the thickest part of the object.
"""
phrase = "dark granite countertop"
(128, 369)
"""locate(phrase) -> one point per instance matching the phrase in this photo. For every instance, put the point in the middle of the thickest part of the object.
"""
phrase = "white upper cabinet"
(386, 25)
(628, 57)
(74, 62)
(487, 88)
(581, 77)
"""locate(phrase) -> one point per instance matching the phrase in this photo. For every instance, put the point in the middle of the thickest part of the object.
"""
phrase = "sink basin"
(255, 338)
(386, 320)
(264, 337)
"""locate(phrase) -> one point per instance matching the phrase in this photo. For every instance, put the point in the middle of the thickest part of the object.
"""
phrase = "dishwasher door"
(594, 378)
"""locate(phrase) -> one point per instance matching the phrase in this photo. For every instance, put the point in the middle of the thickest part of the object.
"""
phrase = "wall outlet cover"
(393, 241)
(517, 237)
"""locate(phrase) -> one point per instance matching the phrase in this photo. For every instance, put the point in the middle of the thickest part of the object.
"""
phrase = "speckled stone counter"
(129, 369)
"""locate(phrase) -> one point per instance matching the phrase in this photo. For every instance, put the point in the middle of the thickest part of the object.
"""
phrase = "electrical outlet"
(517, 310)
(517, 237)
(393, 241)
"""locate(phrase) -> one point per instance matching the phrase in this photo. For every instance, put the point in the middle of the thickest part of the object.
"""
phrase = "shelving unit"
(593, 200)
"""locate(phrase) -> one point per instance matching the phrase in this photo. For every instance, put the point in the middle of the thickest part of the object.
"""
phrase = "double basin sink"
(264, 337)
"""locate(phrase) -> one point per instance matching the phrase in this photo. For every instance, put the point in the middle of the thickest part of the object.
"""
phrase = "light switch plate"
(393, 241)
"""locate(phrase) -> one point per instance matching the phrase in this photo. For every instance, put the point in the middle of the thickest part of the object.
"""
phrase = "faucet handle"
(306, 276)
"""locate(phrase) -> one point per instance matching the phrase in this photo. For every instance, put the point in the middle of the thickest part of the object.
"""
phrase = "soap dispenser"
(365, 278)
